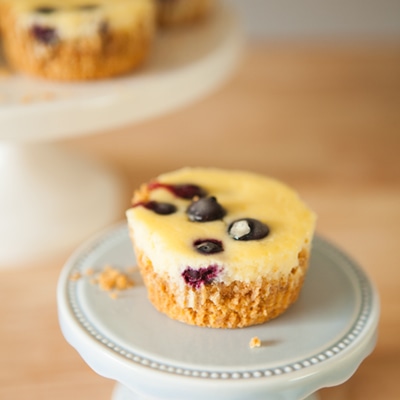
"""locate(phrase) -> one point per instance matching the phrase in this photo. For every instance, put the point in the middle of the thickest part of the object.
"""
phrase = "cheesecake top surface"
(257, 227)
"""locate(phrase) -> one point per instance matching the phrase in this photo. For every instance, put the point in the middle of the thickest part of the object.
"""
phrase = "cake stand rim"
(338, 368)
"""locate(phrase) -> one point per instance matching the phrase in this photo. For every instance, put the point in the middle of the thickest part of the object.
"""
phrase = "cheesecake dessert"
(77, 39)
(220, 248)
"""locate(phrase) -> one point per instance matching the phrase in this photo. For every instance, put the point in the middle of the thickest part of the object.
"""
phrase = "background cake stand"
(320, 341)
(52, 199)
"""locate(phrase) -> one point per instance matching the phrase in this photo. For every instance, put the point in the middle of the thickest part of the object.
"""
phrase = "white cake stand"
(51, 199)
(319, 342)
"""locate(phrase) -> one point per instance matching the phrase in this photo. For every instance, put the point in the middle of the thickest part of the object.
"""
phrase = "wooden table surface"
(325, 118)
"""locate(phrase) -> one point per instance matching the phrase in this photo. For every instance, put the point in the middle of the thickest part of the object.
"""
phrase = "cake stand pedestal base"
(123, 393)
(52, 199)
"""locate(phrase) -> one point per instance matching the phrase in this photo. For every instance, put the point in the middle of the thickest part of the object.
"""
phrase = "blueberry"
(158, 207)
(205, 209)
(88, 7)
(201, 276)
(208, 246)
(44, 34)
(248, 229)
(188, 191)
(45, 10)
(184, 191)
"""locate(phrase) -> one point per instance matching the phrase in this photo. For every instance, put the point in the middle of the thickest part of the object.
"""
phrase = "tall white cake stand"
(51, 199)
(319, 342)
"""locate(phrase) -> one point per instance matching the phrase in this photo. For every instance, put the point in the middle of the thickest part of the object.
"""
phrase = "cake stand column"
(51, 199)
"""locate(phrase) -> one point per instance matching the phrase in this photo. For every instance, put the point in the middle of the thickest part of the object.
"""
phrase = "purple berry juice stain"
(202, 276)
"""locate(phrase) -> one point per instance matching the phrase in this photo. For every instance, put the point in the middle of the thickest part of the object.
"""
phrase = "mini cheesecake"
(220, 248)
(77, 39)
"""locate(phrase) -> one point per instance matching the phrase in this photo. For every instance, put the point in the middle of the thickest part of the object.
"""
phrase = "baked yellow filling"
(168, 240)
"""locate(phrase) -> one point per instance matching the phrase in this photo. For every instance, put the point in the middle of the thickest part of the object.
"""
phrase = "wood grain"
(323, 117)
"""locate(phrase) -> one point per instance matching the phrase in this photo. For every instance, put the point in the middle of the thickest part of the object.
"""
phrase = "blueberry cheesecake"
(220, 248)
(77, 39)
(182, 12)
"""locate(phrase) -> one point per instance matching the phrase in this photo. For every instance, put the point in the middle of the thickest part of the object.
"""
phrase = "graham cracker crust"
(220, 305)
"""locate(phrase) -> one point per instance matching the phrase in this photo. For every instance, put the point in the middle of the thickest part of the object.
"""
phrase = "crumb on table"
(255, 342)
